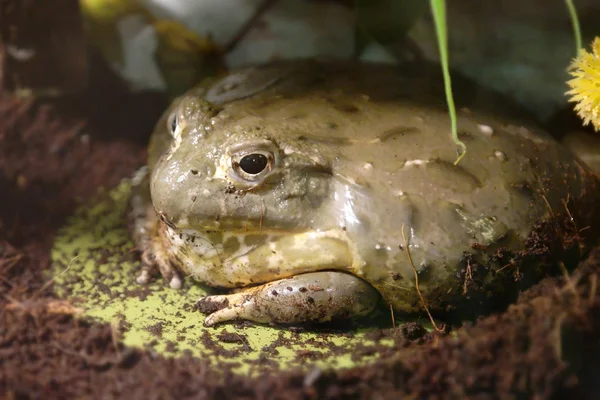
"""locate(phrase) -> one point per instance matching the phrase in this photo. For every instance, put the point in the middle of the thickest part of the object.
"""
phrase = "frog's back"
(387, 136)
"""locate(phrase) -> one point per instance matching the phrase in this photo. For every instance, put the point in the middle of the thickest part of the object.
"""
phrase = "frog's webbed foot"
(311, 297)
(144, 230)
(154, 257)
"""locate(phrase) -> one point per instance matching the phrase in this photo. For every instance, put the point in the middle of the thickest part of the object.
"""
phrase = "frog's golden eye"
(252, 166)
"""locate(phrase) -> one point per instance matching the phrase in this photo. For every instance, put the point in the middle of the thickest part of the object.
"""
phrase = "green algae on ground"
(95, 266)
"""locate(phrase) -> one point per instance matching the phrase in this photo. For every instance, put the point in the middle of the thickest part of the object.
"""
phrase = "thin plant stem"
(438, 7)
(575, 23)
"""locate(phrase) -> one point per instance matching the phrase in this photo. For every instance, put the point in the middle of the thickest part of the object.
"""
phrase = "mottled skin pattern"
(358, 168)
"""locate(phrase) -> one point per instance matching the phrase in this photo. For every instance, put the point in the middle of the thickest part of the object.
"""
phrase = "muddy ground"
(54, 155)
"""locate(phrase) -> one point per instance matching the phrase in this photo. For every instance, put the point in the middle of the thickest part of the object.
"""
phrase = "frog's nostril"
(194, 171)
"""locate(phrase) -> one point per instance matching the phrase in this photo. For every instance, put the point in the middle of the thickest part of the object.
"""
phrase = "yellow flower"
(585, 85)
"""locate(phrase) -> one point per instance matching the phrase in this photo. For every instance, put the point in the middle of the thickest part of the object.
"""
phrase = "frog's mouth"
(233, 259)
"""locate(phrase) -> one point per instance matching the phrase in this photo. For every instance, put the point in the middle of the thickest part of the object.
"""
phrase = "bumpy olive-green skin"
(363, 165)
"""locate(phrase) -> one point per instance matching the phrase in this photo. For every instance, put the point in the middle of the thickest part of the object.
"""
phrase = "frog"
(309, 191)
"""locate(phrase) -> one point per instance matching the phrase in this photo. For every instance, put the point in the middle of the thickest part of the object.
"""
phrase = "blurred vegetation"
(184, 57)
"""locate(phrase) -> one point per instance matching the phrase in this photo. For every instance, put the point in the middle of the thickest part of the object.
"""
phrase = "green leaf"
(575, 22)
(438, 8)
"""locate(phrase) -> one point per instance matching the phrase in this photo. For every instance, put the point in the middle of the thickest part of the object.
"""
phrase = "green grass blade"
(575, 23)
(438, 7)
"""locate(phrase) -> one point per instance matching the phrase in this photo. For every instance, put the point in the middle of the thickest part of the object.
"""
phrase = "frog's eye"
(172, 124)
(252, 166)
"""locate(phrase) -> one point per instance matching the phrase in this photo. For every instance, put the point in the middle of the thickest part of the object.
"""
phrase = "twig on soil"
(244, 342)
(14, 303)
(511, 263)
(577, 238)
(393, 317)
(11, 258)
(552, 215)
(565, 203)
(50, 306)
(547, 205)
(3, 279)
(62, 307)
(468, 277)
(89, 359)
(68, 351)
(114, 335)
(557, 334)
(9, 262)
(410, 260)
(435, 342)
(47, 284)
(569, 282)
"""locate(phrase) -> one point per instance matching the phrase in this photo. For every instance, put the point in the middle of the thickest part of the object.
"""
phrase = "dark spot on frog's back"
(397, 132)
(214, 237)
(466, 136)
(443, 171)
(523, 189)
(298, 116)
(255, 240)
(333, 140)
(347, 108)
(231, 245)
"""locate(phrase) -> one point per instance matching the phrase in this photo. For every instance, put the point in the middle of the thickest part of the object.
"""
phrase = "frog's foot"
(311, 297)
(154, 257)
(144, 230)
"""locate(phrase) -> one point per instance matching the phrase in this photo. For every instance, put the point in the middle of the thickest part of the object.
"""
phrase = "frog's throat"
(226, 259)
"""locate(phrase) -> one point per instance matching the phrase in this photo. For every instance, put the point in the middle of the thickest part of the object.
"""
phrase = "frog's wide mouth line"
(94, 267)
(233, 259)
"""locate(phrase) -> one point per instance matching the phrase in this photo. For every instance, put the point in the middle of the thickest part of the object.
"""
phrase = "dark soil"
(55, 154)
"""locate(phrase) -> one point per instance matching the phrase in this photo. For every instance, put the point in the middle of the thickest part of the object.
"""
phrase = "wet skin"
(305, 186)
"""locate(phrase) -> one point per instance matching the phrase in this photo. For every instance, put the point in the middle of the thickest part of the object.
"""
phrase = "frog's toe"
(166, 270)
(227, 314)
(175, 282)
(144, 277)
(210, 304)
(155, 258)
(311, 297)
(220, 308)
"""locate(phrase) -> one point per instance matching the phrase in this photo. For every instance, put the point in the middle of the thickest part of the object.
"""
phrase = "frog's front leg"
(311, 297)
(144, 229)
